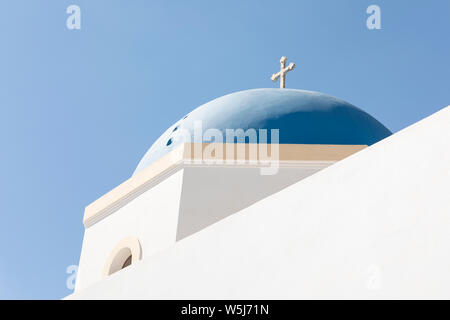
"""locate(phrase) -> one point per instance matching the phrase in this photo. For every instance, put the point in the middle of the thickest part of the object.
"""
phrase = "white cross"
(283, 71)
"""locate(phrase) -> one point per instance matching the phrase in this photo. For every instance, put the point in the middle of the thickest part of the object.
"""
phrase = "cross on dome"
(283, 71)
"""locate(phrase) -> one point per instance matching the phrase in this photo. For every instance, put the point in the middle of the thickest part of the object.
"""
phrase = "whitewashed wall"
(152, 217)
(375, 225)
(212, 193)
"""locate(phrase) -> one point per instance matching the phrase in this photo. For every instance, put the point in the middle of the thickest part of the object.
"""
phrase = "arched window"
(127, 262)
(124, 254)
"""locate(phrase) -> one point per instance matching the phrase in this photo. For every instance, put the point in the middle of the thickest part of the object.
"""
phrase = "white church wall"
(152, 218)
(375, 225)
(212, 193)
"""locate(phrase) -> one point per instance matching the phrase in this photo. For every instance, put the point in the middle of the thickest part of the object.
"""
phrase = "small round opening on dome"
(169, 142)
(175, 129)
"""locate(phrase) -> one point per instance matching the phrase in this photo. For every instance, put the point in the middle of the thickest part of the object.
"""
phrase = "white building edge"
(375, 225)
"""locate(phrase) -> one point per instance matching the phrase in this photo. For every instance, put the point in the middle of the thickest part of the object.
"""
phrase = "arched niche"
(127, 252)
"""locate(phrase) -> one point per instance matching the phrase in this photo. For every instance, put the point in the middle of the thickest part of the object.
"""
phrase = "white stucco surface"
(211, 193)
(374, 225)
(152, 218)
(185, 200)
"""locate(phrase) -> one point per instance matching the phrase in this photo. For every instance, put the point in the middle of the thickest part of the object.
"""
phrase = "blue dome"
(302, 117)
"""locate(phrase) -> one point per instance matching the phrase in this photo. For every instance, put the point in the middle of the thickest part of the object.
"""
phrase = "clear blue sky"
(80, 108)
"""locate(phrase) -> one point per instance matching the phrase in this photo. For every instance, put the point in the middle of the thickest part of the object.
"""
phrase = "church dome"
(302, 117)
